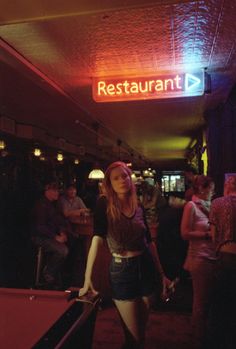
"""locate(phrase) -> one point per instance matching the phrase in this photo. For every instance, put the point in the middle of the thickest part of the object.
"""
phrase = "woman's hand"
(166, 283)
(88, 286)
(61, 237)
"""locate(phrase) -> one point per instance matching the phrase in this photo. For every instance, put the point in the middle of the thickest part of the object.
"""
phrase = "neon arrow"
(191, 81)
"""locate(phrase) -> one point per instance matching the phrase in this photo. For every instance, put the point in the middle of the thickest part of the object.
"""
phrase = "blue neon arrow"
(191, 81)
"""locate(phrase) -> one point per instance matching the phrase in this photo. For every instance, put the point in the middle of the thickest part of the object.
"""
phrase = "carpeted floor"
(168, 326)
(166, 330)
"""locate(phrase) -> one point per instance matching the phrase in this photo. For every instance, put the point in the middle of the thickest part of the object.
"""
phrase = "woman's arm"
(187, 223)
(165, 281)
(74, 213)
(96, 243)
(213, 232)
(156, 259)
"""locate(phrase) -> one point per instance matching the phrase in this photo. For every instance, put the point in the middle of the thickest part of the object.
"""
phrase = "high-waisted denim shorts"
(132, 277)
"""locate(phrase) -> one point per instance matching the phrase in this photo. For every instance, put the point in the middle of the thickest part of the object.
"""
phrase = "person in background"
(201, 258)
(135, 263)
(50, 231)
(101, 189)
(75, 211)
(171, 247)
(153, 202)
(222, 322)
(190, 173)
(71, 205)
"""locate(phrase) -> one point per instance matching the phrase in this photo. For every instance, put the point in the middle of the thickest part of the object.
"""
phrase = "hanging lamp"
(2, 144)
(96, 173)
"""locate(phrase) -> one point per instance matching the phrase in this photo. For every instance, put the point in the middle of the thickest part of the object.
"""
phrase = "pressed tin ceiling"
(51, 51)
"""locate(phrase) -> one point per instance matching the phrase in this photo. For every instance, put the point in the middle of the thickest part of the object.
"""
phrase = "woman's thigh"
(134, 316)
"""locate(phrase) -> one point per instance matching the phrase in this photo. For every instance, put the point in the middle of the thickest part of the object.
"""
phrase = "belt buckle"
(118, 260)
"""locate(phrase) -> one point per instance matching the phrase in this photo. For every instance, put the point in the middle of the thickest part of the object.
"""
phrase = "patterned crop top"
(126, 234)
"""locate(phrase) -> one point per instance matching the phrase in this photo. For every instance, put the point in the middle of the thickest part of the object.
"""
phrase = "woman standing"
(135, 262)
(200, 261)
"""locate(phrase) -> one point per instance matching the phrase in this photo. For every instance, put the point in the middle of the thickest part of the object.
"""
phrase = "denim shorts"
(132, 277)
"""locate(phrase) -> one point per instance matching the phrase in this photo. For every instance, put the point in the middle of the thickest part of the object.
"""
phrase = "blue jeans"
(132, 277)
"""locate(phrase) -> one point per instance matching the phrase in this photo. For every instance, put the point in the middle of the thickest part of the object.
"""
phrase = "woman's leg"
(134, 316)
(203, 281)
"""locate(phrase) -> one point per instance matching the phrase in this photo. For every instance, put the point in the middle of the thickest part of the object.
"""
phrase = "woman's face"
(207, 192)
(120, 180)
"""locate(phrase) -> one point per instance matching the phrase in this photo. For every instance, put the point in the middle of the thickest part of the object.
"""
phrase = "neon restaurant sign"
(154, 87)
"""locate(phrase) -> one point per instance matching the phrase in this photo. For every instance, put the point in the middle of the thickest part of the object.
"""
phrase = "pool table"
(46, 319)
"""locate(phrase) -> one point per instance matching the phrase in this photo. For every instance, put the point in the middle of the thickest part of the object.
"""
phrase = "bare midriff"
(126, 254)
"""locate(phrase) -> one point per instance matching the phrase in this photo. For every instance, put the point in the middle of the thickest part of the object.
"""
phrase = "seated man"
(50, 231)
(71, 205)
(75, 211)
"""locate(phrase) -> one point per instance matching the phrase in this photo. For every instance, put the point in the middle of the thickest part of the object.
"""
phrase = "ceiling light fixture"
(59, 157)
(2, 144)
(134, 177)
(37, 152)
(96, 173)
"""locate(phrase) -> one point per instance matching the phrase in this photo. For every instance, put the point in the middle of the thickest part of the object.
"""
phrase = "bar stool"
(41, 261)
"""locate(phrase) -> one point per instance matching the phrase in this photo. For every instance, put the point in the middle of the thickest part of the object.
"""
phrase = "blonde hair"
(113, 206)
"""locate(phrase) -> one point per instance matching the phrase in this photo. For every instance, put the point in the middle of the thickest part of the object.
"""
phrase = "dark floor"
(165, 330)
(168, 326)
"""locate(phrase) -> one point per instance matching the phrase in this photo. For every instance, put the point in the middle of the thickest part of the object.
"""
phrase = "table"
(39, 319)
(82, 227)
(83, 232)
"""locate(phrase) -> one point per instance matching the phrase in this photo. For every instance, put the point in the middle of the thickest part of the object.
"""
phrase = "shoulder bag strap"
(204, 210)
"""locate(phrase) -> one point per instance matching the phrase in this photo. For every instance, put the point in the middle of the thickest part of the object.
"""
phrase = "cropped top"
(125, 234)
